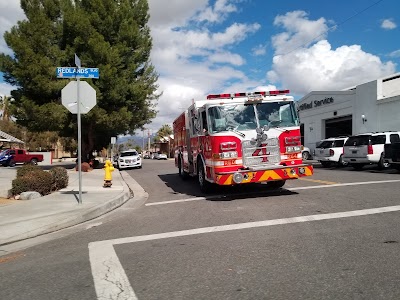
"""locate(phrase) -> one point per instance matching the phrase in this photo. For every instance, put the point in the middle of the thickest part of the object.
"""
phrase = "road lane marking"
(176, 201)
(318, 181)
(93, 225)
(341, 184)
(332, 184)
(109, 276)
(111, 281)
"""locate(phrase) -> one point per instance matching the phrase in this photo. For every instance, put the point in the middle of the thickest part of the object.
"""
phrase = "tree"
(109, 34)
(5, 103)
(164, 131)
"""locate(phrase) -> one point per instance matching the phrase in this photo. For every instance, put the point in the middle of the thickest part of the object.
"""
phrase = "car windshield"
(359, 140)
(129, 153)
(251, 116)
(2, 153)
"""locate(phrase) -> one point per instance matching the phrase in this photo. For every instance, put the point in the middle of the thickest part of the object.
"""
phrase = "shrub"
(26, 169)
(60, 178)
(85, 167)
(37, 180)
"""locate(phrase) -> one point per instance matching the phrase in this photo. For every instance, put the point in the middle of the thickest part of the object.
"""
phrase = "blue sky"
(202, 47)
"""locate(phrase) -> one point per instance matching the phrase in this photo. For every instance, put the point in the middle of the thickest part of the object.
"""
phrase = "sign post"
(71, 98)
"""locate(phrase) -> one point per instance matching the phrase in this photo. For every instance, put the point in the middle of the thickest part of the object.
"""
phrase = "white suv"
(330, 151)
(368, 148)
(129, 159)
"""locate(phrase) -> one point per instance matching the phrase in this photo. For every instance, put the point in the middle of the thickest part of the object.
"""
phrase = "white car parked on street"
(330, 151)
(160, 155)
(129, 159)
(306, 153)
(368, 148)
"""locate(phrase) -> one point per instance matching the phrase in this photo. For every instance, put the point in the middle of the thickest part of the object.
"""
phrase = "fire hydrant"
(108, 168)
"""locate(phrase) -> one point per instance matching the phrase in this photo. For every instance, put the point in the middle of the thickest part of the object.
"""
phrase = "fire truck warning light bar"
(234, 95)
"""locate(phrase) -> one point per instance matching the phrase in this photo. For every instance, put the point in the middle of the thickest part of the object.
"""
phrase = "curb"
(76, 219)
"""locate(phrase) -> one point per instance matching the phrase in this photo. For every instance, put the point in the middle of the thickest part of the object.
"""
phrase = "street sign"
(79, 98)
(87, 97)
(113, 140)
(71, 72)
(77, 61)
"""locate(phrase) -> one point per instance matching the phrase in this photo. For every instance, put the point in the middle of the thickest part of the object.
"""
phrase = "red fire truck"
(239, 138)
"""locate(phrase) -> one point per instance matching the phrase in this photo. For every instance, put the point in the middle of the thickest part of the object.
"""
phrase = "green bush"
(60, 178)
(26, 169)
(37, 180)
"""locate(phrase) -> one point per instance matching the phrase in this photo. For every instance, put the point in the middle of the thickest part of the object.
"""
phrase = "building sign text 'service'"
(316, 103)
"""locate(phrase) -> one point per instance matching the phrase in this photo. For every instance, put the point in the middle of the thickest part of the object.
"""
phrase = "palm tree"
(163, 134)
(164, 131)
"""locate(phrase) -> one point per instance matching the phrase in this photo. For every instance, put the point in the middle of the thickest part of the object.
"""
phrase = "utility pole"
(148, 135)
(142, 141)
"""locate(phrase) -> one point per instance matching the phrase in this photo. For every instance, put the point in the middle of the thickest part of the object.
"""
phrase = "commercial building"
(368, 107)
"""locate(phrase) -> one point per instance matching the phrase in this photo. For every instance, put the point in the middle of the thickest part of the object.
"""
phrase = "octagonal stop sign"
(87, 97)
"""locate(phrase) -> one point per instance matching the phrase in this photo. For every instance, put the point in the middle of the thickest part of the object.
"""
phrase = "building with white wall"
(368, 107)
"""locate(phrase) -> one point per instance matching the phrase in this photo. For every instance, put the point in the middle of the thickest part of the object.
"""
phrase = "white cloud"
(218, 13)
(226, 57)
(5, 89)
(300, 31)
(174, 13)
(319, 67)
(388, 24)
(10, 14)
(395, 53)
(259, 50)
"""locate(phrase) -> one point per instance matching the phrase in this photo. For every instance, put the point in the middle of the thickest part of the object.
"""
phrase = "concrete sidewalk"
(22, 219)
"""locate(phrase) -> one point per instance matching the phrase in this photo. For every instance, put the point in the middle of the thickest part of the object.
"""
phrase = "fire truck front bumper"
(253, 176)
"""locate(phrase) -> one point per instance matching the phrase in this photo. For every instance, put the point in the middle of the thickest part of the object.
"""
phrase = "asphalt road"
(322, 237)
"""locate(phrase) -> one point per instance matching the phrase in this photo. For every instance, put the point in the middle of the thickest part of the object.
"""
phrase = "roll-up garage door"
(339, 126)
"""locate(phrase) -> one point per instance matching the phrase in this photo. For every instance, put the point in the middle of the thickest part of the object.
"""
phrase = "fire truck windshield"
(250, 116)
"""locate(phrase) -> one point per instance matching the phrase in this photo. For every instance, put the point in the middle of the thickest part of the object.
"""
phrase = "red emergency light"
(236, 95)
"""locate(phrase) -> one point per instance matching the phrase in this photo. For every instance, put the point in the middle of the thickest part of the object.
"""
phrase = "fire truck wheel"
(276, 184)
(205, 186)
(181, 172)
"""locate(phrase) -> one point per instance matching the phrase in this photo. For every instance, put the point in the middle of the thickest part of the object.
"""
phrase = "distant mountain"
(137, 140)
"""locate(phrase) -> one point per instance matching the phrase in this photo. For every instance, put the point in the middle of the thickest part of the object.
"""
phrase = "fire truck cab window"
(276, 114)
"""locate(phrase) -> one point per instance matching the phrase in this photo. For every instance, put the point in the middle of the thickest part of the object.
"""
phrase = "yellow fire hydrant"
(108, 168)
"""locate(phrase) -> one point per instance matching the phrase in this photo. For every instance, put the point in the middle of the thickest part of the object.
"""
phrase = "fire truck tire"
(182, 174)
(276, 184)
(205, 186)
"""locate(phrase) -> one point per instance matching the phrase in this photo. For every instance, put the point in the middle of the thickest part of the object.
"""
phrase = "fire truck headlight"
(237, 177)
(302, 170)
(230, 154)
(291, 149)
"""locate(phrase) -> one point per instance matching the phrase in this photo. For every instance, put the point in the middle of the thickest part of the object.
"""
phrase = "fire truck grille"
(259, 155)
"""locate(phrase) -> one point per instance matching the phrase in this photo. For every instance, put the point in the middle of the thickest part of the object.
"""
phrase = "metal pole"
(79, 143)
(143, 142)
(148, 135)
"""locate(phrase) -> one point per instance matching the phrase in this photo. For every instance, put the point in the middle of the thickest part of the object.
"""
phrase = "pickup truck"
(10, 157)
(392, 155)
